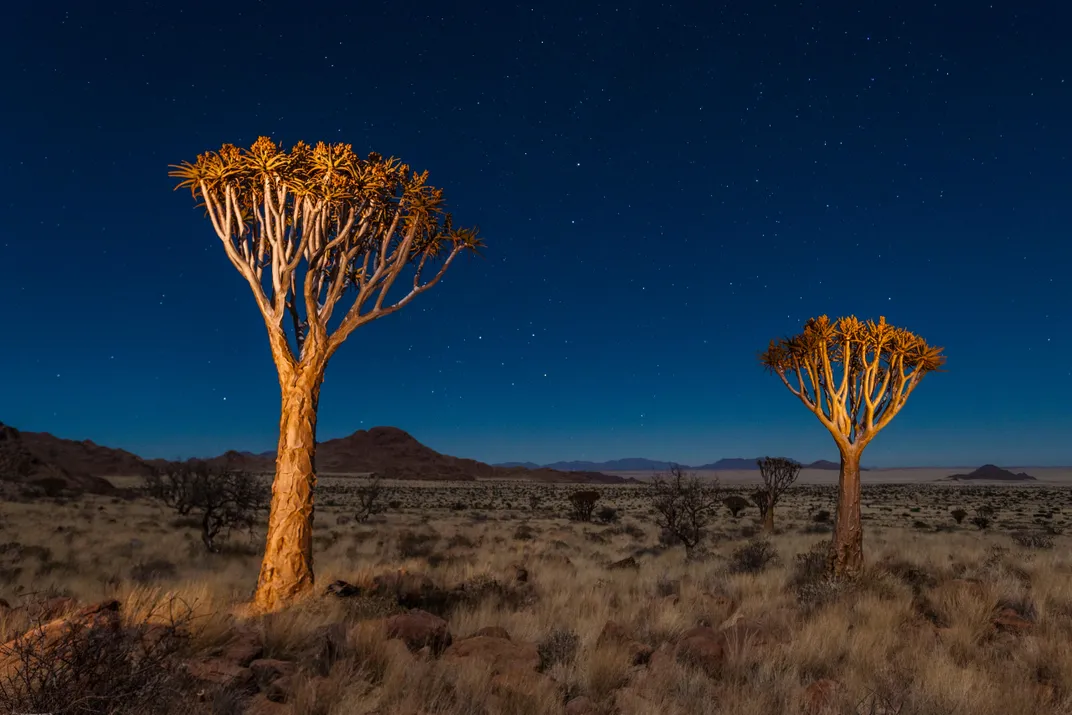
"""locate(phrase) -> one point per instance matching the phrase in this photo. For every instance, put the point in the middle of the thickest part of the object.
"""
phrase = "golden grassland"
(915, 635)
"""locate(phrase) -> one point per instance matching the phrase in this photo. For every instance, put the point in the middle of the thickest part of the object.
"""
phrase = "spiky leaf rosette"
(854, 375)
(325, 218)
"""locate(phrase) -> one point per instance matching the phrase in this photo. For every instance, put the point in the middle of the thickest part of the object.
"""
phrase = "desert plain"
(464, 598)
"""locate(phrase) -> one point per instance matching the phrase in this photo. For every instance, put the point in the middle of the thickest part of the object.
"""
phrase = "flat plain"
(551, 615)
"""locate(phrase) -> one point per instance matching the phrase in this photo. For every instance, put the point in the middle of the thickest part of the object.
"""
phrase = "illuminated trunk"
(287, 569)
(847, 546)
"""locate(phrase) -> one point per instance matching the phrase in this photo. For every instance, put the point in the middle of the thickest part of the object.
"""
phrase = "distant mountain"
(85, 457)
(730, 464)
(523, 465)
(629, 464)
(991, 472)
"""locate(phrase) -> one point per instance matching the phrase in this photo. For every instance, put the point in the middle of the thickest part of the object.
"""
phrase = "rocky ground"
(485, 599)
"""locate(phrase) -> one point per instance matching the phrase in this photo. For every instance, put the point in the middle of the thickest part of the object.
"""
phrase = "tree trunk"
(847, 546)
(768, 517)
(287, 569)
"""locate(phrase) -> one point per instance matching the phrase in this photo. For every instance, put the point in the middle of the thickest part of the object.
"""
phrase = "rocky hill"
(385, 450)
(25, 472)
(993, 473)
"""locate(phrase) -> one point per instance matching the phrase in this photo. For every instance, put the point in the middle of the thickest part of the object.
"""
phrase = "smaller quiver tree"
(684, 505)
(855, 376)
(778, 474)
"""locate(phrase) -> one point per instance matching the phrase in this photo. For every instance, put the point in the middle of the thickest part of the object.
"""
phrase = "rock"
(497, 654)
(702, 648)
(627, 563)
(342, 589)
(51, 609)
(243, 648)
(222, 673)
(614, 635)
(1008, 620)
(820, 697)
(329, 643)
(56, 639)
(260, 704)
(419, 629)
(582, 705)
(493, 632)
(268, 670)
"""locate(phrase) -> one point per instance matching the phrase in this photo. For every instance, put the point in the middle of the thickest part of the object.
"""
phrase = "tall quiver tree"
(855, 376)
(305, 228)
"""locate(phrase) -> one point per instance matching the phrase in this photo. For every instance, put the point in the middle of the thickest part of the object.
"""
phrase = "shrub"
(560, 646)
(981, 521)
(958, 515)
(1033, 540)
(582, 504)
(221, 498)
(607, 515)
(95, 670)
(371, 497)
(821, 517)
(753, 557)
(735, 504)
(684, 506)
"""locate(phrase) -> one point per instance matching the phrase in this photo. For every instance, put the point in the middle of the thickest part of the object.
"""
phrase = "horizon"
(688, 465)
(775, 164)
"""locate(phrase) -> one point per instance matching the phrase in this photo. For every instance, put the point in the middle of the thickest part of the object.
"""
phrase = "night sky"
(662, 190)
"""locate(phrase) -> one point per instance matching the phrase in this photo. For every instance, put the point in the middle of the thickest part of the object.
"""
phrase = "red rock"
(493, 632)
(268, 670)
(1009, 621)
(243, 648)
(260, 704)
(419, 629)
(614, 634)
(701, 648)
(498, 654)
(222, 673)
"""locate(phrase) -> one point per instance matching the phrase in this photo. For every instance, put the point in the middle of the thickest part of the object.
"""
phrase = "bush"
(371, 497)
(1033, 540)
(83, 670)
(220, 498)
(560, 646)
(684, 507)
(607, 515)
(735, 504)
(958, 515)
(753, 557)
(821, 517)
(582, 504)
(981, 521)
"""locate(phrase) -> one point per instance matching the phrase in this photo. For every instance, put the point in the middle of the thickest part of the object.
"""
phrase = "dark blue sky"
(662, 190)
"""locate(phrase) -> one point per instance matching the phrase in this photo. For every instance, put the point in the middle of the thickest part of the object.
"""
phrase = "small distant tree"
(222, 499)
(582, 504)
(735, 504)
(305, 228)
(372, 497)
(684, 505)
(958, 515)
(855, 376)
(778, 474)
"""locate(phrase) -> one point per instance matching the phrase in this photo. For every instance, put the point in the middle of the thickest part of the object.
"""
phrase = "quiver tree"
(778, 474)
(855, 376)
(306, 228)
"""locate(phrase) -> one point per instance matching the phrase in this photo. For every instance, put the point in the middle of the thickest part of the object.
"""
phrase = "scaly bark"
(287, 569)
(847, 546)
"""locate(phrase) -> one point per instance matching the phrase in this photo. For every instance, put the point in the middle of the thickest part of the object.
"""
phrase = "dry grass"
(913, 636)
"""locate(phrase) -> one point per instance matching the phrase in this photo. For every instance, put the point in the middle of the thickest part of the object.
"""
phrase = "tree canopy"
(322, 218)
(854, 375)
